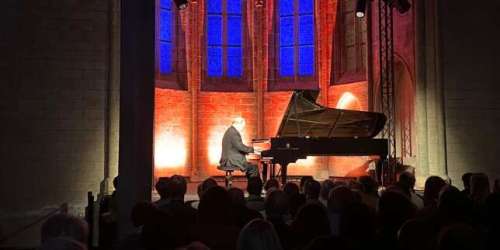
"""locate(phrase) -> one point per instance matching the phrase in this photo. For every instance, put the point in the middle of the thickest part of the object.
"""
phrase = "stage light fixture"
(361, 8)
(181, 4)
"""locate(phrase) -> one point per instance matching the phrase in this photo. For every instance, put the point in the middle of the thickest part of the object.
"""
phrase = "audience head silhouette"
(258, 234)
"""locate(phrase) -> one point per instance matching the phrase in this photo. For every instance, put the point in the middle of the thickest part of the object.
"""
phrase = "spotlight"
(181, 4)
(360, 8)
(402, 6)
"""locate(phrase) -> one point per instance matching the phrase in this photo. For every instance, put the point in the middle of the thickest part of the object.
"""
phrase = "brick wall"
(215, 109)
(172, 132)
(53, 90)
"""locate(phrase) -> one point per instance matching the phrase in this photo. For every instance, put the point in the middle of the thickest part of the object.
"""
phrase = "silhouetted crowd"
(312, 215)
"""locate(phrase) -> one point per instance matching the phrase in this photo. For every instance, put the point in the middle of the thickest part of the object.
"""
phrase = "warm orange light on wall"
(170, 150)
(307, 162)
(215, 145)
(348, 101)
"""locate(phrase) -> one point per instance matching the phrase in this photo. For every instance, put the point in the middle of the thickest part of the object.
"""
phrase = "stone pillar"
(112, 100)
(136, 107)
(258, 54)
(194, 76)
(431, 144)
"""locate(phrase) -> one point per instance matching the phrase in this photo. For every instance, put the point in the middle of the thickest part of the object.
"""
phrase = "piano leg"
(283, 173)
(272, 174)
(264, 172)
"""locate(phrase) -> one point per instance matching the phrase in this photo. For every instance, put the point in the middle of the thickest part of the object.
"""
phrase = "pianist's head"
(238, 123)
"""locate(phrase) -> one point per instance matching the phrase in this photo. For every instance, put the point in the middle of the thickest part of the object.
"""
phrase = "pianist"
(234, 151)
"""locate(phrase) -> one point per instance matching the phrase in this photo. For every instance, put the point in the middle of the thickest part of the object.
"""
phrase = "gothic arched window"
(171, 68)
(294, 46)
(226, 61)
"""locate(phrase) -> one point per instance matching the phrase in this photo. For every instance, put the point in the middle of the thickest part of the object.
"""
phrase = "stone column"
(136, 107)
(431, 144)
(194, 75)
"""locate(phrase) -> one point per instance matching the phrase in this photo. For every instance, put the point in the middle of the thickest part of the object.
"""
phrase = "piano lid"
(304, 117)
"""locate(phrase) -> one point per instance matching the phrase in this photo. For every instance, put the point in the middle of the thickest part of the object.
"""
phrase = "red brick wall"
(172, 131)
(340, 165)
(216, 109)
(215, 112)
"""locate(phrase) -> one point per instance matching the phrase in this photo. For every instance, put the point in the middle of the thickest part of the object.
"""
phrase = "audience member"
(255, 200)
(369, 192)
(272, 184)
(143, 213)
(460, 236)
(356, 218)
(161, 187)
(242, 214)
(496, 186)
(433, 186)
(277, 206)
(340, 198)
(174, 203)
(258, 235)
(454, 206)
(291, 189)
(310, 222)
(479, 188)
(394, 209)
(216, 226)
(295, 198)
(357, 226)
(466, 182)
(164, 231)
(312, 188)
(202, 187)
(406, 183)
(303, 181)
(326, 187)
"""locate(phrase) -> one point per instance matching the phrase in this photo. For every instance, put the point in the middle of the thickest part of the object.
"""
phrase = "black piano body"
(309, 129)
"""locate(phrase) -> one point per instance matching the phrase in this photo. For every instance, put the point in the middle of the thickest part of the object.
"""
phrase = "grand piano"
(309, 129)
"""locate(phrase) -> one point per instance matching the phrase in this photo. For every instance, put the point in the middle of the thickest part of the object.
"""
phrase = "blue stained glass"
(166, 4)
(306, 30)
(214, 30)
(286, 31)
(286, 7)
(306, 60)
(214, 61)
(165, 25)
(234, 62)
(234, 30)
(165, 58)
(214, 6)
(286, 61)
(307, 6)
(233, 6)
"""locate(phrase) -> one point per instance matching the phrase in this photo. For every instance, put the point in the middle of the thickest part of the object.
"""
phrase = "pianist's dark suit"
(234, 151)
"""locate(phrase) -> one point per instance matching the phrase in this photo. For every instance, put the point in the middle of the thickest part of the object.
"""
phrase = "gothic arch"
(404, 93)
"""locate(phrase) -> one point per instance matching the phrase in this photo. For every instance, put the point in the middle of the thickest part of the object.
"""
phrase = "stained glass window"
(294, 45)
(225, 57)
(224, 38)
(349, 62)
(170, 62)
